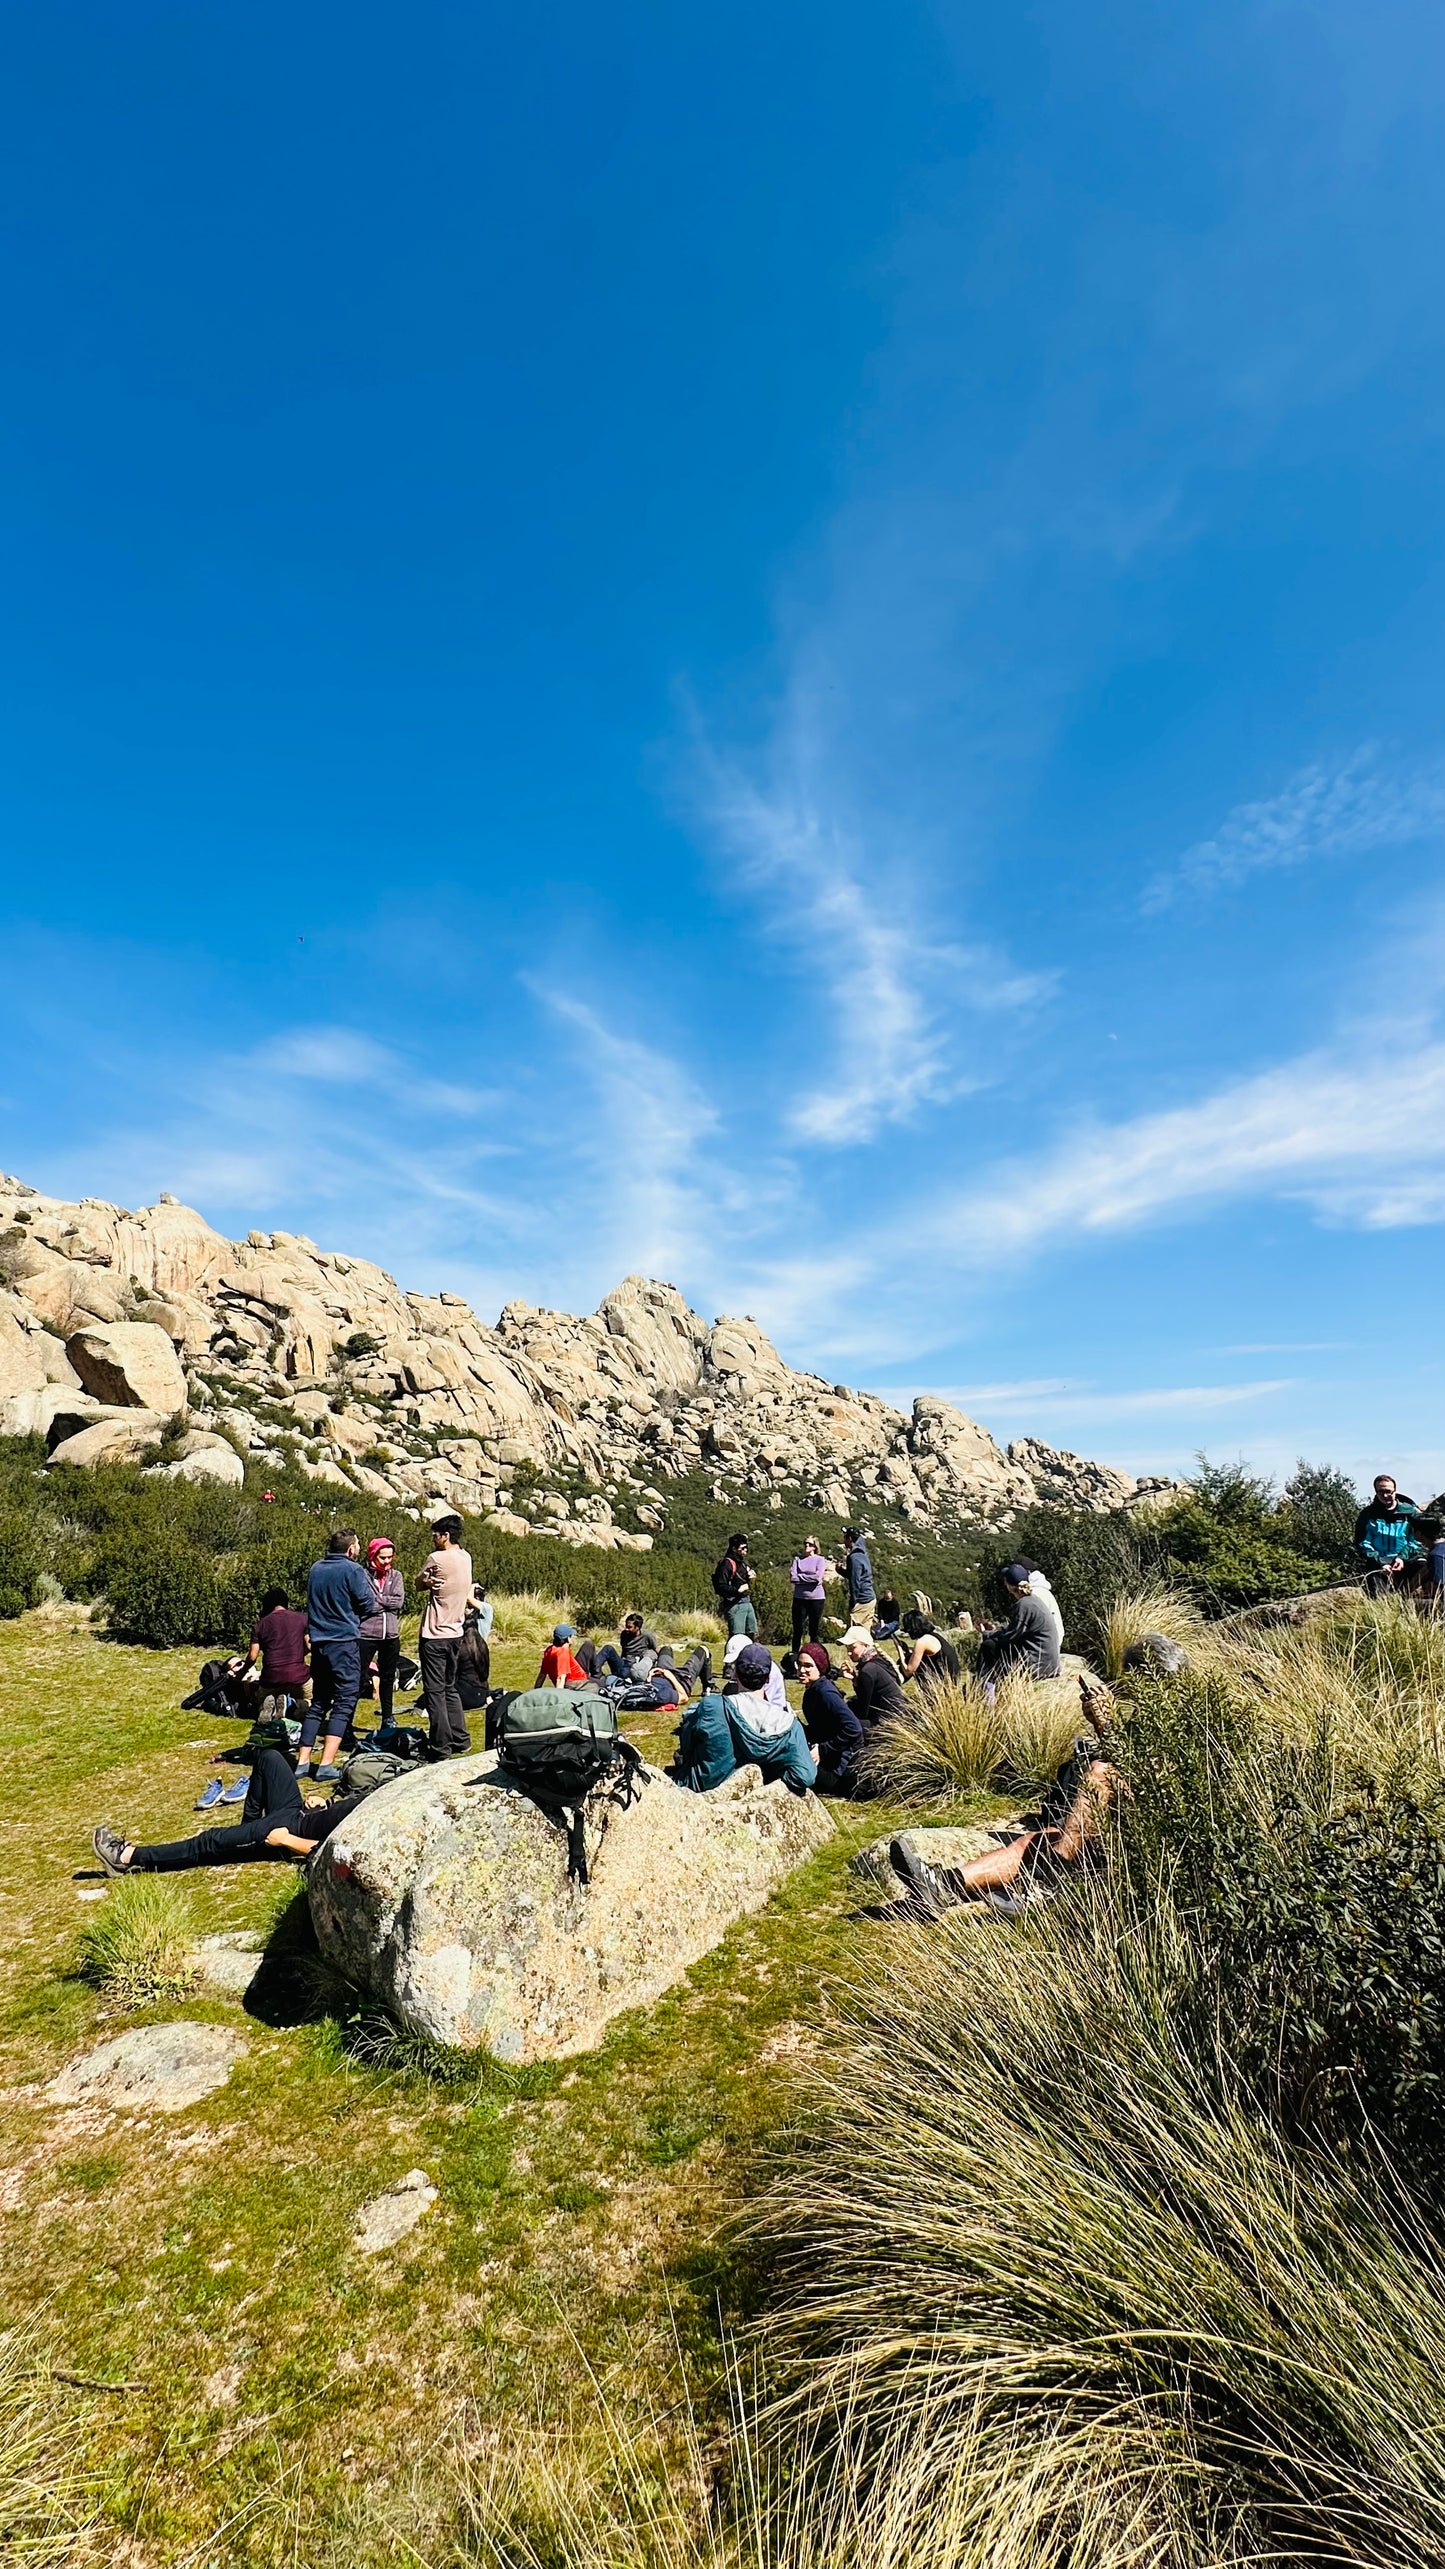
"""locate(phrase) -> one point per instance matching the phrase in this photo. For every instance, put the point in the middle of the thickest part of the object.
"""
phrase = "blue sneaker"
(238, 1791)
(211, 1795)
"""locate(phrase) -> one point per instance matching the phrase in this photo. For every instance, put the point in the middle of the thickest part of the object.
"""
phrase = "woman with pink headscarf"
(381, 1629)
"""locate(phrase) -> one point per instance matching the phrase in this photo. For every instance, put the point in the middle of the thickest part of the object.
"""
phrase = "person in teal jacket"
(1386, 1538)
(723, 1732)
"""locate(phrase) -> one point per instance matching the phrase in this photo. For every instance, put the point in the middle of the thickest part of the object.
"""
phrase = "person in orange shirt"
(559, 1666)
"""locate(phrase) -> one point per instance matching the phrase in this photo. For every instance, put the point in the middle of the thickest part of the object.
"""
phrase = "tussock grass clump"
(1371, 1670)
(136, 1948)
(1136, 1612)
(1029, 2228)
(527, 1617)
(958, 1738)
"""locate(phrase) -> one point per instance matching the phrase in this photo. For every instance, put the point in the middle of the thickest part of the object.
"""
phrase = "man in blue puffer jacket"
(1386, 1540)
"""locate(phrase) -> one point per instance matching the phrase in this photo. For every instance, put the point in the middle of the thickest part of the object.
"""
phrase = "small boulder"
(388, 2217)
(214, 1460)
(131, 1363)
(228, 1962)
(113, 1438)
(166, 2066)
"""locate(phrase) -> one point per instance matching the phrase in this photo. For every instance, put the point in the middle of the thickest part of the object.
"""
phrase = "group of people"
(346, 1642)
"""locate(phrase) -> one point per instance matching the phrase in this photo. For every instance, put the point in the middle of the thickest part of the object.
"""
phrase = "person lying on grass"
(1063, 1831)
(278, 1825)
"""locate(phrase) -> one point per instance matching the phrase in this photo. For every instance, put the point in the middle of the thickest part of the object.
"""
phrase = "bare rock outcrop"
(281, 1350)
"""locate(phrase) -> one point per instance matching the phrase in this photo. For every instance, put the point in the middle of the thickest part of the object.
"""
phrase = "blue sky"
(798, 648)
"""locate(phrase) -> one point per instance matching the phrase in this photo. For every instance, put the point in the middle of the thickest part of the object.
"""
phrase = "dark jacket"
(833, 1728)
(878, 1690)
(731, 1579)
(1387, 1534)
(339, 1595)
(1029, 1640)
(859, 1573)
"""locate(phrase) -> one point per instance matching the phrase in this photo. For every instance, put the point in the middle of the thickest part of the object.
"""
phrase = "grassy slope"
(205, 2255)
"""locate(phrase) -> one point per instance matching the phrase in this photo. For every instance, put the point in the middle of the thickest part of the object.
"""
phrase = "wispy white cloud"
(1361, 1139)
(1073, 1400)
(338, 1057)
(1322, 811)
(896, 985)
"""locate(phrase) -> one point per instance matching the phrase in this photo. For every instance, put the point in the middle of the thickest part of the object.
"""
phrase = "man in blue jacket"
(1385, 1539)
(338, 1596)
(858, 1571)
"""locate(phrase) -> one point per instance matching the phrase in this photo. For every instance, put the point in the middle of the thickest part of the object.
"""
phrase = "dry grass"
(1370, 1673)
(1155, 1607)
(1026, 2240)
(136, 1948)
(958, 1739)
(42, 2525)
(527, 1619)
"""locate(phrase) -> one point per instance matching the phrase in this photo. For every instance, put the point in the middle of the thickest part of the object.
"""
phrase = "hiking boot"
(211, 1795)
(326, 1775)
(928, 1894)
(109, 1845)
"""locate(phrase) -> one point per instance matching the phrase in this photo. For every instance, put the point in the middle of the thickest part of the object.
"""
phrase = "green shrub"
(20, 1563)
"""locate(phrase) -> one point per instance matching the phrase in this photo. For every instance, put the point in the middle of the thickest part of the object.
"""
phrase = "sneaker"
(109, 1845)
(927, 1891)
(326, 1775)
(211, 1795)
(238, 1791)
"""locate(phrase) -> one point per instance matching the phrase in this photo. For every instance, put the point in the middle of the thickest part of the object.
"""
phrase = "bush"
(20, 1563)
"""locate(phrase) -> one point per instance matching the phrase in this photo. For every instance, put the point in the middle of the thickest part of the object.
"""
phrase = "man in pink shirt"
(446, 1581)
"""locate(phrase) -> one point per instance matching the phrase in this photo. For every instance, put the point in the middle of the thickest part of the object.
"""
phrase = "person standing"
(447, 1579)
(858, 1572)
(808, 1574)
(338, 1594)
(733, 1587)
(381, 1630)
(1385, 1539)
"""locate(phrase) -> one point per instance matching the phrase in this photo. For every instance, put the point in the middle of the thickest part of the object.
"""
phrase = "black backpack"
(561, 1744)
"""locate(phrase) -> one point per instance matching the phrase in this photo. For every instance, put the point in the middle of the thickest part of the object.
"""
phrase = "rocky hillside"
(119, 1330)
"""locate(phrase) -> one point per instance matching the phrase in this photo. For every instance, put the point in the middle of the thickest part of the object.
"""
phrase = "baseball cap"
(563, 1631)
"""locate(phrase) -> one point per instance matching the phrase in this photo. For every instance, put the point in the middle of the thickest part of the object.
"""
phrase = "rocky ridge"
(118, 1329)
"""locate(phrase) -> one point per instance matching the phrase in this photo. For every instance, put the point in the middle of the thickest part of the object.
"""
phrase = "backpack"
(725, 1580)
(370, 1768)
(215, 1691)
(271, 1730)
(560, 1744)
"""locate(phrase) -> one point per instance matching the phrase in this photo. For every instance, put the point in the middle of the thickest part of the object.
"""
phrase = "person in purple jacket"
(808, 1574)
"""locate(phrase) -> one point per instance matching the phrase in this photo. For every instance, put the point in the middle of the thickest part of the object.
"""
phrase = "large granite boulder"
(446, 1895)
(130, 1363)
(116, 1436)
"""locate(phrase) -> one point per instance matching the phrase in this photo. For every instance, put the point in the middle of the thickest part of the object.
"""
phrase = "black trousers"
(446, 1721)
(383, 1656)
(273, 1802)
(809, 1611)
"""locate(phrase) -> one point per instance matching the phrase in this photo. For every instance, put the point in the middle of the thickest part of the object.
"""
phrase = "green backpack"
(560, 1744)
(370, 1768)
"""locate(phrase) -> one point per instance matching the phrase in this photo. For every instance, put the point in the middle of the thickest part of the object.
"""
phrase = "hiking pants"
(809, 1611)
(742, 1618)
(383, 1656)
(446, 1721)
(336, 1683)
(273, 1802)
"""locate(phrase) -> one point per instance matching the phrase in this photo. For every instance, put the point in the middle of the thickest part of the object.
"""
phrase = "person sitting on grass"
(932, 1658)
(1028, 1641)
(630, 1656)
(673, 1685)
(834, 1733)
(1063, 1832)
(877, 1687)
(776, 1691)
(277, 1826)
(888, 1618)
(560, 1666)
(741, 1728)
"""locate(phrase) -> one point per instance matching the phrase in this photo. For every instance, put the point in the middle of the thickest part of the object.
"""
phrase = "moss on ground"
(288, 2389)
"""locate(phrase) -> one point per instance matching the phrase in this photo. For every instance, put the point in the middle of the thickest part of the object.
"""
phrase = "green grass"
(289, 2390)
